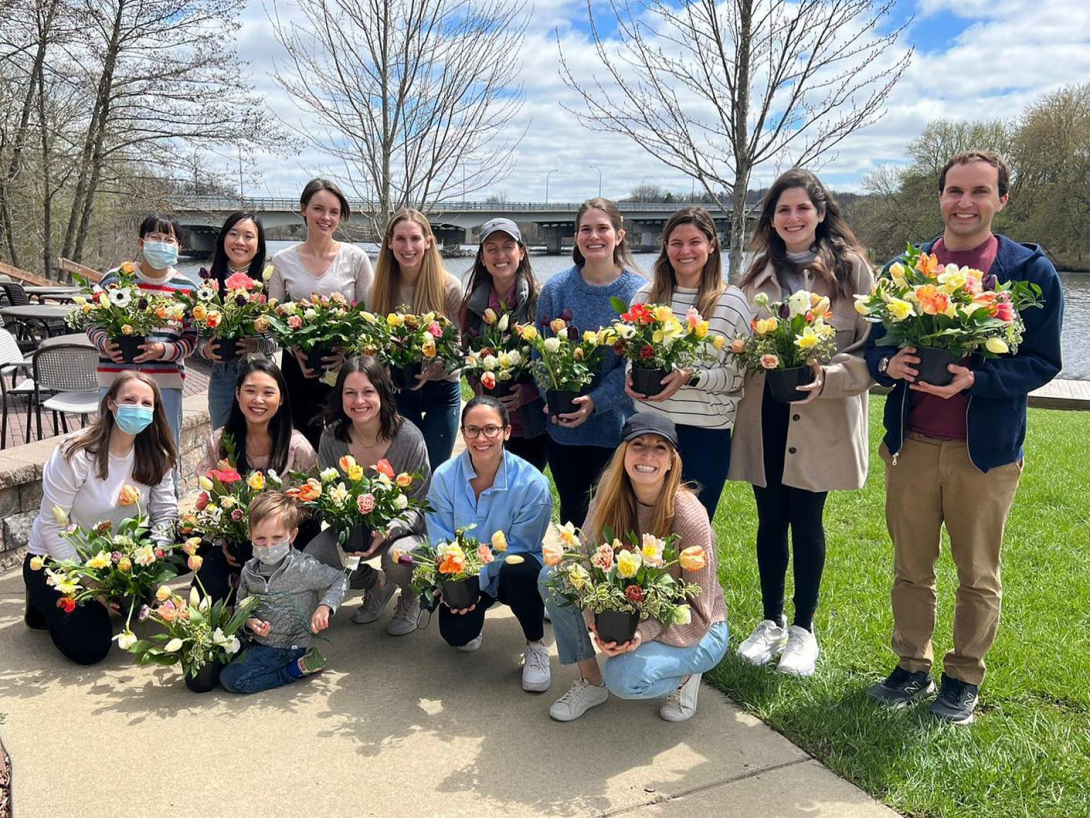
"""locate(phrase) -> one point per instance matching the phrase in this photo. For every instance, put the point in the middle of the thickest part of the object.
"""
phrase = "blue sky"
(974, 59)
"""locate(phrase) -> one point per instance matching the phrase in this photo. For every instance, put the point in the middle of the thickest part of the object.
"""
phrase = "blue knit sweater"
(590, 309)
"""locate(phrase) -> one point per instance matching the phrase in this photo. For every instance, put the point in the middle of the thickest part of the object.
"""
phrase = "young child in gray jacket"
(298, 596)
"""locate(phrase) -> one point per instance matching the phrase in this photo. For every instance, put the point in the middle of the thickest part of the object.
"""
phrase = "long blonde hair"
(615, 504)
(664, 279)
(431, 287)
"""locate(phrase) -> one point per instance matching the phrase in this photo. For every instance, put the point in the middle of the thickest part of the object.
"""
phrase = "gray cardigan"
(407, 453)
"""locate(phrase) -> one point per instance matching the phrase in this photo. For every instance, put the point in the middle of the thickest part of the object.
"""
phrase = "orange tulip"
(693, 558)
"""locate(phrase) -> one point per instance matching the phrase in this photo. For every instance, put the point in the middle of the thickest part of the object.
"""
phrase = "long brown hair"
(622, 255)
(156, 453)
(664, 280)
(479, 275)
(833, 241)
(615, 503)
(431, 287)
(389, 421)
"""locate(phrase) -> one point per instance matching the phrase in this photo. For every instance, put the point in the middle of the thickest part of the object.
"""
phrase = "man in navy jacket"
(954, 453)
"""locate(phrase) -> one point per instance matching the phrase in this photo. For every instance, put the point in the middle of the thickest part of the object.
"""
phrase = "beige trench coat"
(827, 440)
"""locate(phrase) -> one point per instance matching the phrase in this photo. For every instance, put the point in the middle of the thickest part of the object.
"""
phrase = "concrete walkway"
(394, 727)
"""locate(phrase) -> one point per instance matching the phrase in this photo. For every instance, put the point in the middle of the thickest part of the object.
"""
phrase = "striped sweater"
(712, 403)
(169, 373)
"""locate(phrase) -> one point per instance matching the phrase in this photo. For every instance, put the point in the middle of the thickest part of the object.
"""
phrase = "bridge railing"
(220, 203)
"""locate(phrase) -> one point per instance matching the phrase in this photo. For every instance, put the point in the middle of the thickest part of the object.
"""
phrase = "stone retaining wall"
(21, 478)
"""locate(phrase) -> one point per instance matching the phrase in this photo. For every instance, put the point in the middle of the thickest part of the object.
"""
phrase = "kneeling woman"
(130, 444)
(641, 492)
(494, 490)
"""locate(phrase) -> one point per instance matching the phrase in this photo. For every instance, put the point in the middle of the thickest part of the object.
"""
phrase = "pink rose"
(435, 330)
(366, 503)
(295, 322)
(484, 554)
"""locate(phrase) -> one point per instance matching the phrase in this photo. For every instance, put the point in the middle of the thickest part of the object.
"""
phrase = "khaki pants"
(934, 482)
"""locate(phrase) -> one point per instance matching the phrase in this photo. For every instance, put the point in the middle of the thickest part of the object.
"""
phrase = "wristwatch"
(694, 379)
(883, 365)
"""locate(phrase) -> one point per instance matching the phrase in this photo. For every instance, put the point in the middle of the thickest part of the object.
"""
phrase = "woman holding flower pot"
(502, 293)
(258, 435)
(119, 464)
(411, 274)
(795, 453)
(321, 265)
(581, 442)
(240, 248)
(641, 492)
(700, 399)
(362, 422)
(492, 491)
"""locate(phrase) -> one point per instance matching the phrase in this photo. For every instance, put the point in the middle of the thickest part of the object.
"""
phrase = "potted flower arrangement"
(122, 567)
(199, 634)
(229, 316)
(623, 583)
(499, 358)
(356, 503)
(451, 570)
(783, 345)
(411, 341)
(565, 362)
(318, 326)
(947, 312)
(123, 311)
(656, 342)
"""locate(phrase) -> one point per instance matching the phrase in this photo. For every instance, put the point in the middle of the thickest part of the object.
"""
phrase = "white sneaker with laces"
(767, 640)
(578, 700)
(681, 704)
(801, 654)
(406, 614)
(374, 604)
(472, 644)
(536, 675)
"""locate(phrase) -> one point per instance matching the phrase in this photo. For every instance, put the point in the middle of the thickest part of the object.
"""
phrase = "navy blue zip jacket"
(999, 398)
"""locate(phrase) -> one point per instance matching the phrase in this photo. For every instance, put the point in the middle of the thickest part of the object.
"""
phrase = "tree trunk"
(47, 193)
(743, 159)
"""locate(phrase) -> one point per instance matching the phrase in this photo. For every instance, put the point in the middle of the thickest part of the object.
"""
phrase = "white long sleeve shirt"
(73, 485)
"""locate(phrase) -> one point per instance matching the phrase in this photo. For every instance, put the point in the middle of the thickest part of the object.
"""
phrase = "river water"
(1076, 350)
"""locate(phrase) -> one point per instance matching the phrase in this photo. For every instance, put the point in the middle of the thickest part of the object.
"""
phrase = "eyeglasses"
(491, 431)
(166, 239)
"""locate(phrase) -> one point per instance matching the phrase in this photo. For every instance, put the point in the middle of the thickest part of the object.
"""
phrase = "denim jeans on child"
(259, 667)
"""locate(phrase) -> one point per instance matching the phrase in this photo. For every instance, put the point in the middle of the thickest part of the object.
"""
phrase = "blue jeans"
(221, 392)
(705, 458)
(259, 667)
(433, 409)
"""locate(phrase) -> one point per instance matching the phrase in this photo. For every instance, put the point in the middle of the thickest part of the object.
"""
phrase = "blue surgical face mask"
(160, 254)
(272, 554)
(133, 419)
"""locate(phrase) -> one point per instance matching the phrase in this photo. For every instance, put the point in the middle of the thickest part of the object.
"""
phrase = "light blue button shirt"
(519, 503)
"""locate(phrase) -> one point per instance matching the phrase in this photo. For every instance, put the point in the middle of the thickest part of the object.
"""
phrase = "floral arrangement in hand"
(121, 309)
(197, 631)
(566, 359)
(240, 311)
(630, 578)
(122, 567)
(499, 356)
(795, 333)
(318, 325)
(922, 303)
(437, 567)
(420, 340)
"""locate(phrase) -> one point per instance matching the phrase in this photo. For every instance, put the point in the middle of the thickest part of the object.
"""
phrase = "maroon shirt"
(944, 418)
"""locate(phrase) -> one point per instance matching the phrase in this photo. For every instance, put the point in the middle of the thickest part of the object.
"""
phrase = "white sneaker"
(681, 704)
(801, 654)
(767, 640)
(373, 604)
(535, 668)
(472, 644)
(578, 700)
(406, 614)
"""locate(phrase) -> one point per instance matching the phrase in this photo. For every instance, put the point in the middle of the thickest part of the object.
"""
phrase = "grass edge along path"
(1028, 754)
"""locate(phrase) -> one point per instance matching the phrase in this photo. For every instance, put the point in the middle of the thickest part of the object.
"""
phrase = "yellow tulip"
(996, 345)
(900, 309)
(36, 563)
(693, 558)
(205, 483)
(628, 563)
(663, 313)
(719, 342)
(256, 481)
(163, 594)
(499, 541)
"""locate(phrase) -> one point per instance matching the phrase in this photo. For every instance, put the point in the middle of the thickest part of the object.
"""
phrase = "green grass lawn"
(1028, 754)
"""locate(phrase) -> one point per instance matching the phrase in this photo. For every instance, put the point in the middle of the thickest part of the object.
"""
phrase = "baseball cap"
(501, 225)
(647, 423)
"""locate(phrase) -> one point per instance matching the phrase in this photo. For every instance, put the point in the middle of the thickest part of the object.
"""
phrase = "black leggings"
(517, 589)
(780, 507)
(85, 635)
(576, 470)
(534, 450)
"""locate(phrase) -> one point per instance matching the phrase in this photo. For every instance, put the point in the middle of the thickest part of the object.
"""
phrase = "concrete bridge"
(453, 222)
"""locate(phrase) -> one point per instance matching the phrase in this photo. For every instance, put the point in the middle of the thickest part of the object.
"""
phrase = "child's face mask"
(272, 554)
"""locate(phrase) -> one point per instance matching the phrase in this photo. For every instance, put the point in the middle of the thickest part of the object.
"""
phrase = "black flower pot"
(561, 401)
(227, 349)
(130, 346)
(404, 377)
(616, 626)
(501, 390)
(784, 383)
(207, 678)
(359, 540)
(462, 593)
(314, 357)
(932, 365)
(648, 381)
